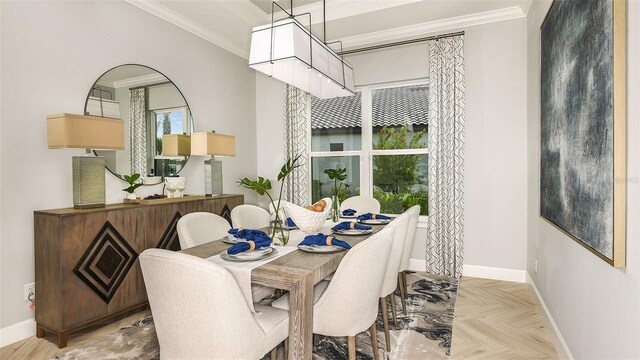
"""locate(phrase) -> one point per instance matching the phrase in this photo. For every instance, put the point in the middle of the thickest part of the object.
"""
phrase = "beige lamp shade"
(213, 144)
(68, 131)
(176, 145)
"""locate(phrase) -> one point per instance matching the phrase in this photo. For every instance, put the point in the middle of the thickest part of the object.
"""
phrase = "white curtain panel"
(138, 130)
(297, 137)
(446, 157)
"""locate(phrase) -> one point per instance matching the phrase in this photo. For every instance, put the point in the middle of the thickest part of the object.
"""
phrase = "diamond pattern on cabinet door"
(226, 213)
(106, 262)
(170, 240)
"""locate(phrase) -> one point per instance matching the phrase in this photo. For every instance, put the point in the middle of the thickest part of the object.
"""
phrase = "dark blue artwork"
(576, 153)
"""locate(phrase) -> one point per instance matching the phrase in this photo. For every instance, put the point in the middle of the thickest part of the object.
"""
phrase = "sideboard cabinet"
(86, 260)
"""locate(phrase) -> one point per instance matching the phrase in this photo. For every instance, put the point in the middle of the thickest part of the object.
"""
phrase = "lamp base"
(212, 177)
(88, 182)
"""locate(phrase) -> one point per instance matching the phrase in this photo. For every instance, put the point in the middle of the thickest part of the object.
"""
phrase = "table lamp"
(176, 145)
(213, 144)
(68, 131)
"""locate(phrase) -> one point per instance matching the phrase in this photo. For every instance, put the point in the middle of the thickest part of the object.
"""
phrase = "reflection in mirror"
(152, 107)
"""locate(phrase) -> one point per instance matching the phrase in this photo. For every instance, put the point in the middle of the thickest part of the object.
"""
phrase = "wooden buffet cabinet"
(86, 261)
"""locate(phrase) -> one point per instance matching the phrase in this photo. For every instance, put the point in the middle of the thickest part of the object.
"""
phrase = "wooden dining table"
(296, 272)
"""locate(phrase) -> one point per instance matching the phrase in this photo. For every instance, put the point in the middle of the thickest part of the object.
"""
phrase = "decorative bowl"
(307, 220)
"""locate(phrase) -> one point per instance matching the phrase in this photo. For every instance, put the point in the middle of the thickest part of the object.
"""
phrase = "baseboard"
(417, 265)
(17, 332)
(558, 341)
(494, 273)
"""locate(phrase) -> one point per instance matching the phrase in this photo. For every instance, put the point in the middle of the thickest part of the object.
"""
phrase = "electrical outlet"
(535, 266)
(28, 289)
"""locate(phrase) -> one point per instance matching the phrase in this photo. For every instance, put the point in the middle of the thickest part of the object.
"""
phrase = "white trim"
(561, 346)
(16, 332)
(247, 11)
(417, 265)
(494, 273)
(185, 23)
(422, 29)
(417, 151)
(335, 153)
(526, 6)
(149, 79)
(423, 222)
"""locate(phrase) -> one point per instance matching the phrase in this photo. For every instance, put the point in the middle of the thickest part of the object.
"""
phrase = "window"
(164, 122)
(380, 136)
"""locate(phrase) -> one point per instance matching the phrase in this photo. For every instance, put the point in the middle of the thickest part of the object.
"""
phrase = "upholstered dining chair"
(200, 313)
(249, 217)
(414, 213)
(390, 282)
(202, 227)
(348, 304)
(361, 204)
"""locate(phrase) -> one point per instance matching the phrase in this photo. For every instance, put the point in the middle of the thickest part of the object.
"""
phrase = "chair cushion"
(274, 322)
(283, 301)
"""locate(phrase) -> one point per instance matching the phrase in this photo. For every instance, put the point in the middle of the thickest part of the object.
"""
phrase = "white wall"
(595, 306)
(66, 46)
(495, 152)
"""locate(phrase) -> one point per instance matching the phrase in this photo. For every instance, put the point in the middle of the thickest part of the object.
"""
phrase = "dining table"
(296, 272)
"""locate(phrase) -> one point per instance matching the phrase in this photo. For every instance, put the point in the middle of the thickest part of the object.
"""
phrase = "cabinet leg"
(62, 339)
(39, 331)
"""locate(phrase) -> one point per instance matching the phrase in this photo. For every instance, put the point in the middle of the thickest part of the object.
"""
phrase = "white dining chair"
(390, 282)
(348, 304)
(199, 311)
(197, 228)
(249, 217)
(414, 213)
(361, 204)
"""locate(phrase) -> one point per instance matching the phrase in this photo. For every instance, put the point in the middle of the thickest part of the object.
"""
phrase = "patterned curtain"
(138, 130)
(296, 127)
(446, 157)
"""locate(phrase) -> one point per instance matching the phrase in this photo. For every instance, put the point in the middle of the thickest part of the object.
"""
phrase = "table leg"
(301, 319)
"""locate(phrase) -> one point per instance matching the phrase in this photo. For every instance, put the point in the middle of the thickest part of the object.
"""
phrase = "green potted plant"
(262, 187)
(133, 185)
(337, 175)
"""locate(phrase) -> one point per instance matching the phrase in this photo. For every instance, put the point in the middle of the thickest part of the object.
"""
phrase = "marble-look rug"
(423, 333)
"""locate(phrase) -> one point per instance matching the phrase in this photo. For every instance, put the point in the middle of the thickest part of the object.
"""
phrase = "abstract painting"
(583, 140)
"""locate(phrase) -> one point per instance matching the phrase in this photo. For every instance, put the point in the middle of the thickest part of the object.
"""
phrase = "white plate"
(375, 221)
(353, 232)
(259, 254)
(320, 248)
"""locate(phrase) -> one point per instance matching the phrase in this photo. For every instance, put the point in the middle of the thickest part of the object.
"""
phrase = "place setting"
(322, 243)
(351, 228)
(248, 245)
(373, 219)
(348, 214)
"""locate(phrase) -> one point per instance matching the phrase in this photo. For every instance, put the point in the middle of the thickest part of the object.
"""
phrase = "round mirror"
(157, 121)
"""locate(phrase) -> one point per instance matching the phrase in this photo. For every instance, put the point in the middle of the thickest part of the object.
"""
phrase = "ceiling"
(228, 23)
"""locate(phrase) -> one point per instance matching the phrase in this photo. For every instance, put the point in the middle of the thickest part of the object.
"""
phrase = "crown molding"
(247, 11)
(139, 80)
(338, 9)
(161, 11)
(526, 5)
(422, 29)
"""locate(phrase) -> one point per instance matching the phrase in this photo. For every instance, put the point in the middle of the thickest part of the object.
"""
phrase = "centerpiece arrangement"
(133, 185)
(337, 175)
(262, 187)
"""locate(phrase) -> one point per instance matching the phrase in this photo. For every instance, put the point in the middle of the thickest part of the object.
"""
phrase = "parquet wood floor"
(493, 320)
(499, 320)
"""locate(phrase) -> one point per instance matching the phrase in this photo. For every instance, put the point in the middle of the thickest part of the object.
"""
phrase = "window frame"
(366, 152)
(186, 125)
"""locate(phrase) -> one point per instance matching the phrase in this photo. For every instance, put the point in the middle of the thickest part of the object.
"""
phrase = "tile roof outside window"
(391, 107)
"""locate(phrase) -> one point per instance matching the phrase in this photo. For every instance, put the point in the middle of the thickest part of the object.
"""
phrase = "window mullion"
(366, 173)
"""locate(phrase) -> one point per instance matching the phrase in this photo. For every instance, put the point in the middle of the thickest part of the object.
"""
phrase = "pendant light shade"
(287, 51)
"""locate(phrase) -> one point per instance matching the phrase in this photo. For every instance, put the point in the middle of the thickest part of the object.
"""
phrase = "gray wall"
(595, 306)
(495, 151)
(66, 46)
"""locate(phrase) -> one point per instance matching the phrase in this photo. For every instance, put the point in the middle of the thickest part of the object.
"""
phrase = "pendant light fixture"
(289, 52)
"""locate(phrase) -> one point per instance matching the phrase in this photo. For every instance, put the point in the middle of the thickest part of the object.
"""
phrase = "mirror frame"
(86, 102)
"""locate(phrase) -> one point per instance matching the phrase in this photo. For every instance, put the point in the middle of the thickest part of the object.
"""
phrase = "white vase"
(130, 196)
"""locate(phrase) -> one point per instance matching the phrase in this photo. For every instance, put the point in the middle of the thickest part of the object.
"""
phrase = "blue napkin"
(368, 216)
(290, 223)
(346, 225)
(248, 234)
(348, 212)
(259, 239)
(322, 239)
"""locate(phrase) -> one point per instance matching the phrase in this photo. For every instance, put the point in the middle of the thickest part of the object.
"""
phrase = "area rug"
(423, 333)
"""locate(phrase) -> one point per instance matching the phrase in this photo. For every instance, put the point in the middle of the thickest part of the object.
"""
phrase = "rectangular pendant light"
(287, 51)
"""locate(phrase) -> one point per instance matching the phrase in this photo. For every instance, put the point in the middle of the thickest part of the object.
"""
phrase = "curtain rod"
(399, 43)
